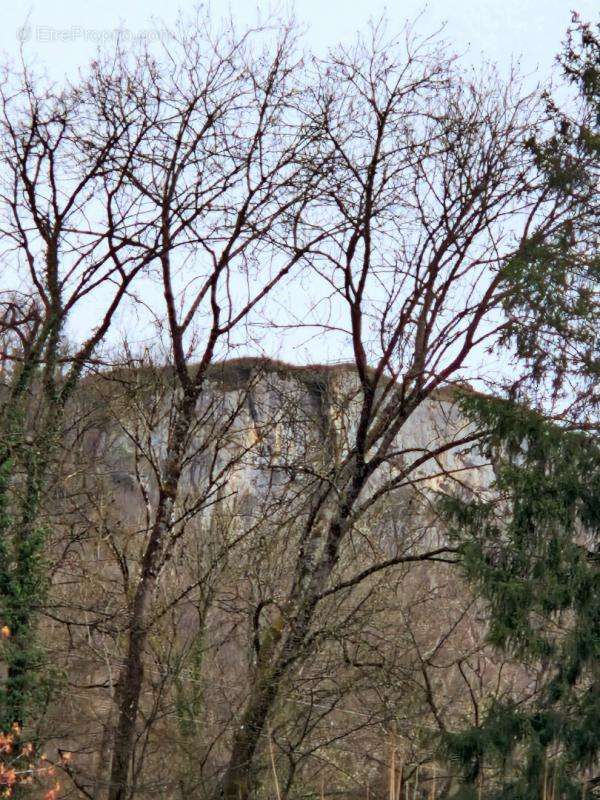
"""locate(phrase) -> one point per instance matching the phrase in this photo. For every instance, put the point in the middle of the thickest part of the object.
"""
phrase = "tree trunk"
(152, 563)
(312, 576)
(129, 693)
(132, 677)
(98, 790)
(239, 778)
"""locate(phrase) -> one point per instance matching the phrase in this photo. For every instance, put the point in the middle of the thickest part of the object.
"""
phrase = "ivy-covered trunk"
(23, 580)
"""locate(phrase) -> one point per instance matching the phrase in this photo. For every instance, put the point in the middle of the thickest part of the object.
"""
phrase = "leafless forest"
(223, 575)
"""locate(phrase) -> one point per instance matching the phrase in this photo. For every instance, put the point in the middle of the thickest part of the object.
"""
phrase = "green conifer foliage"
(532, 550)
(531, 545)
(551, 286)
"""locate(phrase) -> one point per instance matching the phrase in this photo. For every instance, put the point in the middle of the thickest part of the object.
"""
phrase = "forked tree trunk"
(240, 776)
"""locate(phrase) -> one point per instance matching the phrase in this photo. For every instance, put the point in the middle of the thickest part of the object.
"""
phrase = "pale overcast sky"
(62, 33)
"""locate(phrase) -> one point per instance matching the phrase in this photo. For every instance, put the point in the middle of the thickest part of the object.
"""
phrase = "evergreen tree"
(551, 298)
(532, 551)
(531, 547)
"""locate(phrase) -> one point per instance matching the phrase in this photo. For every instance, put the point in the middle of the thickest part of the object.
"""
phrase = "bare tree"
(433, 193)
(66, 242)
(223, 180)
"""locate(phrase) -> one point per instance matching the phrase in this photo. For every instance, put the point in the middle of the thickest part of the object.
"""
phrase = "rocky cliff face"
(281, 415)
